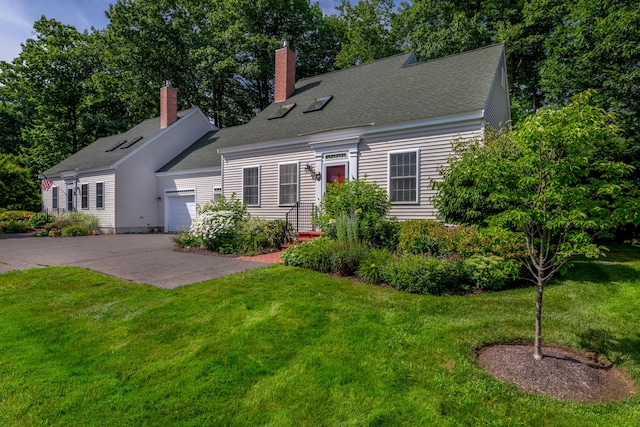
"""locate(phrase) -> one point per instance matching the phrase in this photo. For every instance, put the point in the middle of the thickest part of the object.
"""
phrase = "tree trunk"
(537, 344)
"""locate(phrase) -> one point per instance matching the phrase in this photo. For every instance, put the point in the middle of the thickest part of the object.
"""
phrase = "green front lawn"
(285, 346)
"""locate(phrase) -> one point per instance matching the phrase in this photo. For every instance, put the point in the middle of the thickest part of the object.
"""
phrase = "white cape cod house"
(392, 120)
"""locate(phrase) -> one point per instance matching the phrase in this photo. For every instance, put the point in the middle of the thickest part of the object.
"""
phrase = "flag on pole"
(46, 184)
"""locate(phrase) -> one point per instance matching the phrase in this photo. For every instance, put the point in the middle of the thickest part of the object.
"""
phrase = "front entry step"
(303, 236)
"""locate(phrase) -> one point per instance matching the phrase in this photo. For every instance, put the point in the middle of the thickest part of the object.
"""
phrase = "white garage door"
(181, 210)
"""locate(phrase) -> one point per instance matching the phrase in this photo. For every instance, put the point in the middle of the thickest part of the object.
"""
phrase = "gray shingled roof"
(389, 91)
(96, 156)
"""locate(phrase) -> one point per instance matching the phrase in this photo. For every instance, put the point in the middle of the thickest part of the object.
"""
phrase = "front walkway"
(272, 258)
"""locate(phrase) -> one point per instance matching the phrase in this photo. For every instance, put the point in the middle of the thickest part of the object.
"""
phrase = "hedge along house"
(392, 121)
(114, 177)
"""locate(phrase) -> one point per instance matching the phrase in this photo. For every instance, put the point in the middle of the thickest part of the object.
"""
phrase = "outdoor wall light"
(318, 176)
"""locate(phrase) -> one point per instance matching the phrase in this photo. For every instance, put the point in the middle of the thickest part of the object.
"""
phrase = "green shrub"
(13, 226)
(315, 255)
(39, 219)
(75, 230)
(216, 226)
(421, 236)
(352, 198)
(424, 275)
(15, 215)
(373, 264)
(380, 232)
(346, 256)
(84, 219)
(256, 234)
(489, 271)
(185, 240)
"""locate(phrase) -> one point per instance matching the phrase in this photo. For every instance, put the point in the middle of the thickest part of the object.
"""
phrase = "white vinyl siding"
(84, 196)
(270, 162)
(54, 198)
(99, 195)
(251, 186)
(288, 184)
(403, 176)
(435, 147)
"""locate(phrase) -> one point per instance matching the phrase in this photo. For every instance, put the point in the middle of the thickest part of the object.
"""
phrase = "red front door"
(336, 173)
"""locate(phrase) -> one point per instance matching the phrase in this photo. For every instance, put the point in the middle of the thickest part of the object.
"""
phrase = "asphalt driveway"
(141, 258)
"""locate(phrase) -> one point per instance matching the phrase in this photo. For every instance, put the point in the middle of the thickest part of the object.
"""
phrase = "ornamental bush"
(490, 272)
(255, 234)
(216, 224)
(424, 275)
(373, 265)
(357, 199)
(75, 230)
(346, 256)
(314, 255)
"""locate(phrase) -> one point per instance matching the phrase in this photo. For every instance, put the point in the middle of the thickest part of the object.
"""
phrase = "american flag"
(46, 184)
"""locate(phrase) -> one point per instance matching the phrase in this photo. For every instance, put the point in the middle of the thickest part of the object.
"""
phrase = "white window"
(288, 184)
(84, 196)
(251, 186)
(217, 193)
(54, 198)
(403, 177)
(99, 195)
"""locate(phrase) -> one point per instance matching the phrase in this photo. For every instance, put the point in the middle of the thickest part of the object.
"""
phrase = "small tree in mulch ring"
(555, 180)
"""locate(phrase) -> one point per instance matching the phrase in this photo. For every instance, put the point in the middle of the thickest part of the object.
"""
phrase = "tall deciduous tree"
(555, 181)
(367, 32)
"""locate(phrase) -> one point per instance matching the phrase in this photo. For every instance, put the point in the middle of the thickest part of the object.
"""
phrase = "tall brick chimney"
(285, 73)
(168, 105)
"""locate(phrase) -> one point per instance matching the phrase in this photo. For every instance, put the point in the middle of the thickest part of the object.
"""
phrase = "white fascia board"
(353, 135)
(216, 169)
(169, 128)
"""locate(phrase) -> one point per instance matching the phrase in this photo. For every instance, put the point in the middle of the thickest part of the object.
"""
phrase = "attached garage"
(180, 209)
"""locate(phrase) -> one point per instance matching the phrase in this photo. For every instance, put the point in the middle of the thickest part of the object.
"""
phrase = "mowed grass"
(284, 346)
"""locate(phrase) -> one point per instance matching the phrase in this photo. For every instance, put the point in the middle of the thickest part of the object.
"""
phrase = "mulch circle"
(562, 373)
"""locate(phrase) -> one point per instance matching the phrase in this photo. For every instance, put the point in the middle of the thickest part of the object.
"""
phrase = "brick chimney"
(285, 73)
(168, 105)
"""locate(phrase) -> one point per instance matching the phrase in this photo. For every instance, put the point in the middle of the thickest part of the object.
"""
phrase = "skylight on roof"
(133, 141)
(318, 104)
(282, 111)
(116, 146)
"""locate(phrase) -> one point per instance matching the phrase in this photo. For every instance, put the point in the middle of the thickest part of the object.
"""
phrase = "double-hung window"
(99, 195)
(54, 198)
(403, 176)
(251, 186)
(84, 193)
(288, 184)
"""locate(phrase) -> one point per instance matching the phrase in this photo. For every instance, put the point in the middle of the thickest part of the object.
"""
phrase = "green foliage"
(185, 240)
(89, 221)
(314, 255)
(346, 256)
(490, 272)
(379, 232)
(39, 219)
(373, 265)
(75, 230)
(255, 234)
(360, 200)
(346, 227)
(17, 188)
(367, 32)
(15, 221)
(424, 275)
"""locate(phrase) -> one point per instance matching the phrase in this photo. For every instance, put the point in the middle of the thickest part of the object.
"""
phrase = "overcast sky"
(17, 18)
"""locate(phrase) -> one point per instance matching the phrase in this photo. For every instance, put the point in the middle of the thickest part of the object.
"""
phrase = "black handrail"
(299, 218)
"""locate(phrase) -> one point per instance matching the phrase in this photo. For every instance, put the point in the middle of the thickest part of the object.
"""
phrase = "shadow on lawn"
(601, 272)
(603, 343)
